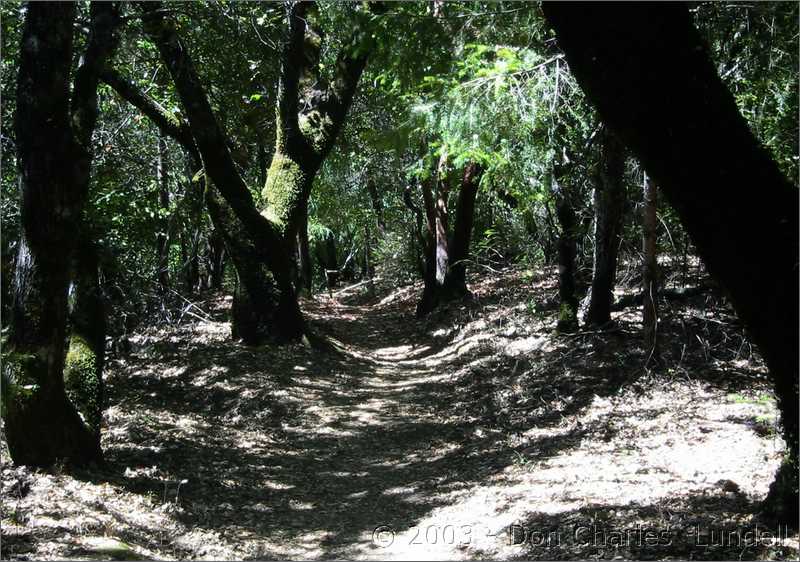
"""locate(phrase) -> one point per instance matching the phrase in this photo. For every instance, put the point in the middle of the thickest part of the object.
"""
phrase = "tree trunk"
(216, 259)
(567, 249)
(650, 271)
(235, 229)
(377, 207)
(162, 234)
(255, 315)
(310, 114)
(83, 370)
(53, 135)
(455, 283)
(286, 193)
(435, 247)
(609, 200)
(684, 126)
(445, 256)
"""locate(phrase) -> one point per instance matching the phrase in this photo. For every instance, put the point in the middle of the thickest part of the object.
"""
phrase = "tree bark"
(445, 255)
(83, 370)
(53, 135)
(609, 200)
(650, 271)
(649, 74)
(567, 250)
(162, 234)
(455, 283)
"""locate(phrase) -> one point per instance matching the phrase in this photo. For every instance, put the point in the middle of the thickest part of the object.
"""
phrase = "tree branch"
(103, 40)
(177, 129)
(293, 63)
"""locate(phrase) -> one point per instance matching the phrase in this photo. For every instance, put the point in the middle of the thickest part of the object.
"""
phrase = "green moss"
(314, 126)
(284, 186)
(567, 318)
(566, 313)
(19, 382)
(82, 381)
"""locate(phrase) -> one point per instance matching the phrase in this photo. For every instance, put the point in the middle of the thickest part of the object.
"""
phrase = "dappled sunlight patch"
(449, 431)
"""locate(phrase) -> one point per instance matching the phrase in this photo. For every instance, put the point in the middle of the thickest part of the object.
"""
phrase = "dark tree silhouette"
(53, 132)
(609, 200)
(648, 72)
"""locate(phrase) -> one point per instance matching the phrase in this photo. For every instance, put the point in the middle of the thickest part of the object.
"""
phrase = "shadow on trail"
(294, 452)
(303, 453)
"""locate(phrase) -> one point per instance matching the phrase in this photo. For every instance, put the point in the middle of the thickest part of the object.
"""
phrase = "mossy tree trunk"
(254, 312)
(54, 131)
(309, 115)
(83, 370)
(211, 144)
(255, 315)
(648, 72)
(609, 202)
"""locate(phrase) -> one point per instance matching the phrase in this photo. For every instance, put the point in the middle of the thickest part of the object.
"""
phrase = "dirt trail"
(410, 440)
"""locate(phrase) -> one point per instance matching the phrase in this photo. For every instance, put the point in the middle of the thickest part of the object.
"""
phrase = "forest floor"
(450, 438)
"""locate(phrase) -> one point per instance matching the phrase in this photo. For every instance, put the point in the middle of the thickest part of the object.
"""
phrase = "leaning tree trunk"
(650, 271)
(609, 200)
(254, 311)
(212, 146)
(739, 209)
(53, 140)
(567, 250)
(257, 312)
(83, 370)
